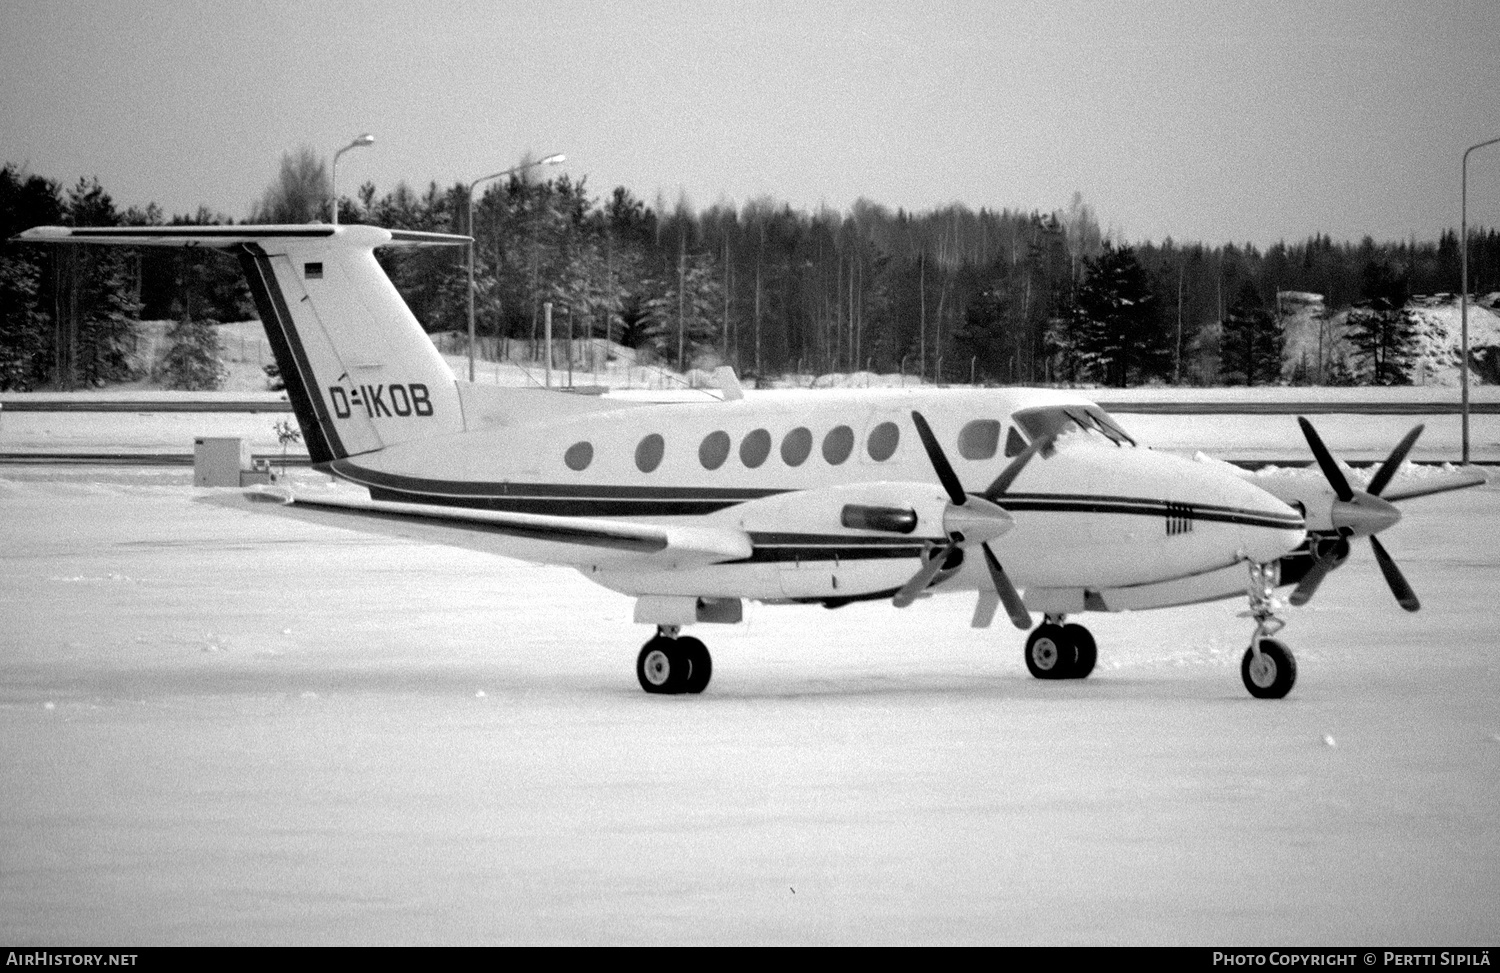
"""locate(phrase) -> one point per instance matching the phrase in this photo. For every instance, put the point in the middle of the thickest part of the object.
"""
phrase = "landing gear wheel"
(1050, 654)
(662, 667)
(700, 664)
(1272, 675)
(1088, 652)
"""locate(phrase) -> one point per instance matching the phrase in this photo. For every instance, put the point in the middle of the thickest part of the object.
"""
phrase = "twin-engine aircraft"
(1036, 501)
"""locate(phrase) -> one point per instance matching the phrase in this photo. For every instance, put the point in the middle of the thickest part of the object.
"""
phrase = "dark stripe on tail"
(323, 444)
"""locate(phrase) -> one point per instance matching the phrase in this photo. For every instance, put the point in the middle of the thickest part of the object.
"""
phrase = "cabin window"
(1015, 445)
(754, 448)
(979, 439)
(579, 455)
(838, 444)
(796, 447)
(883, 441)
(649, 453)
(714, 450)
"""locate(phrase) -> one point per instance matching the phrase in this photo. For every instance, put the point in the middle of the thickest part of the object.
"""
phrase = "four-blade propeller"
(977, 519)
(1357, 513)
(971, 519)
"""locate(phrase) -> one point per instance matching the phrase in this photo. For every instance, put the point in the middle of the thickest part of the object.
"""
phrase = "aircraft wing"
(1404, 487)
(580, 541)
(1461, 479)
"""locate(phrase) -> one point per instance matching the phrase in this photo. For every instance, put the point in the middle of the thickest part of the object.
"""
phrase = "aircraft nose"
(1261, 526)
(1270, 527)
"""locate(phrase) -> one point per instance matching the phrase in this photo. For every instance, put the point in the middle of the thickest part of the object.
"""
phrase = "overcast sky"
(1196, 120)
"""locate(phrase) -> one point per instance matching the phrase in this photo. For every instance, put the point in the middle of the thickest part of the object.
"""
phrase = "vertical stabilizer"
(360, 372)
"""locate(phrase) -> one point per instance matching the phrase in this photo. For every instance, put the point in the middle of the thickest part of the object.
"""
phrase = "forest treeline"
(998, 296)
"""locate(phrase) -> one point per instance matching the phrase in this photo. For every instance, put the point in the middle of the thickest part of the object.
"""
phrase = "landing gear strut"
(1059, 651)
(672, 664)
(1268, 668)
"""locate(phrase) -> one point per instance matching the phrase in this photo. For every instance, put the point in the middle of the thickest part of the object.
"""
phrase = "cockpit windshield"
(1070, 421)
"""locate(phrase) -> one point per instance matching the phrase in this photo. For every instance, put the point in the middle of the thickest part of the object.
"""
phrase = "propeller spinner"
(1358, 513)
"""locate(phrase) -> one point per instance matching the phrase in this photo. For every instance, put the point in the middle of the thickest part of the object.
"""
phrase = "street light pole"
(359, 143)
(1463, 297)
(550, 160)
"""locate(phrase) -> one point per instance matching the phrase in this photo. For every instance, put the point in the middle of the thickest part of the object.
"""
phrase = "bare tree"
(299, 194)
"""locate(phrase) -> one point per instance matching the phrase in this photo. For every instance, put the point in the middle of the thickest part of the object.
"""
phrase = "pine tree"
(96, 302)
(1251, 343)
(1116, 330)
(1382, 329)
(25, 201)
(982, 336)
(23, 328)
(192, 362)
(683, 311)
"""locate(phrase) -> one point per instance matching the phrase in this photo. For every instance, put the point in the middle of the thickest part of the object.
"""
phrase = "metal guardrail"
(1124, 407)
(142, 405)
(94, 458)
(1298, 408)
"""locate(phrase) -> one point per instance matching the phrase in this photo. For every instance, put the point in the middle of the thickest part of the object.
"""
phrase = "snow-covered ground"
(220, 727)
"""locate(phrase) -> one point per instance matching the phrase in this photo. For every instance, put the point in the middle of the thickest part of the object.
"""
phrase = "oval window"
(883, 441)
(714, 450)
(979, 439)
(648, 454)
(579, 455)
(796, 447)
(838, 444)
(754, 448)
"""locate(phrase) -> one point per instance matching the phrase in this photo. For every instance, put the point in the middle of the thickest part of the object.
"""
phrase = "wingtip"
(42, 234)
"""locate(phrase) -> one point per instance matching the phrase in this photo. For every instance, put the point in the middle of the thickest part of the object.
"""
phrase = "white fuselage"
(1093, 519)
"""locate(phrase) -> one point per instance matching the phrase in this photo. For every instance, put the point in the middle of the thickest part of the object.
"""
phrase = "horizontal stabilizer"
(227, 237)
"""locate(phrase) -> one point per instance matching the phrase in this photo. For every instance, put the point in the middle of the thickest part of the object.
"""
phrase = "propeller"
(971, 519)
(1357, 513)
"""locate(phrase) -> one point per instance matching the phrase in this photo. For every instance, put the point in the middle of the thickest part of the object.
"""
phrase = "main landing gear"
(673, 664)
(1268, 668)
(1059, 651)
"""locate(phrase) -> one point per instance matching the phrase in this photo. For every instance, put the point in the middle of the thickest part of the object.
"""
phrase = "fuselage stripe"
(650, 501)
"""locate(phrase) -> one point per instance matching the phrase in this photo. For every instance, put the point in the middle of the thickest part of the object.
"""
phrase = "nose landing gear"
(671, 664)
(1268, 669)
(1059, 651)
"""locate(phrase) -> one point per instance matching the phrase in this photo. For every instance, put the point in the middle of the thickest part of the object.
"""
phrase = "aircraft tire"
(700, 664)
(1050, 654)
(1275, 674)
(661, 666)
(1088, 651)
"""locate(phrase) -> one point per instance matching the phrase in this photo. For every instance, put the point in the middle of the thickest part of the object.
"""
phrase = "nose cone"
(976, 521)
(1364, 514)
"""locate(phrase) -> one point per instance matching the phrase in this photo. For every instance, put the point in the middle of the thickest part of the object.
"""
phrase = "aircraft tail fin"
(360, 372)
